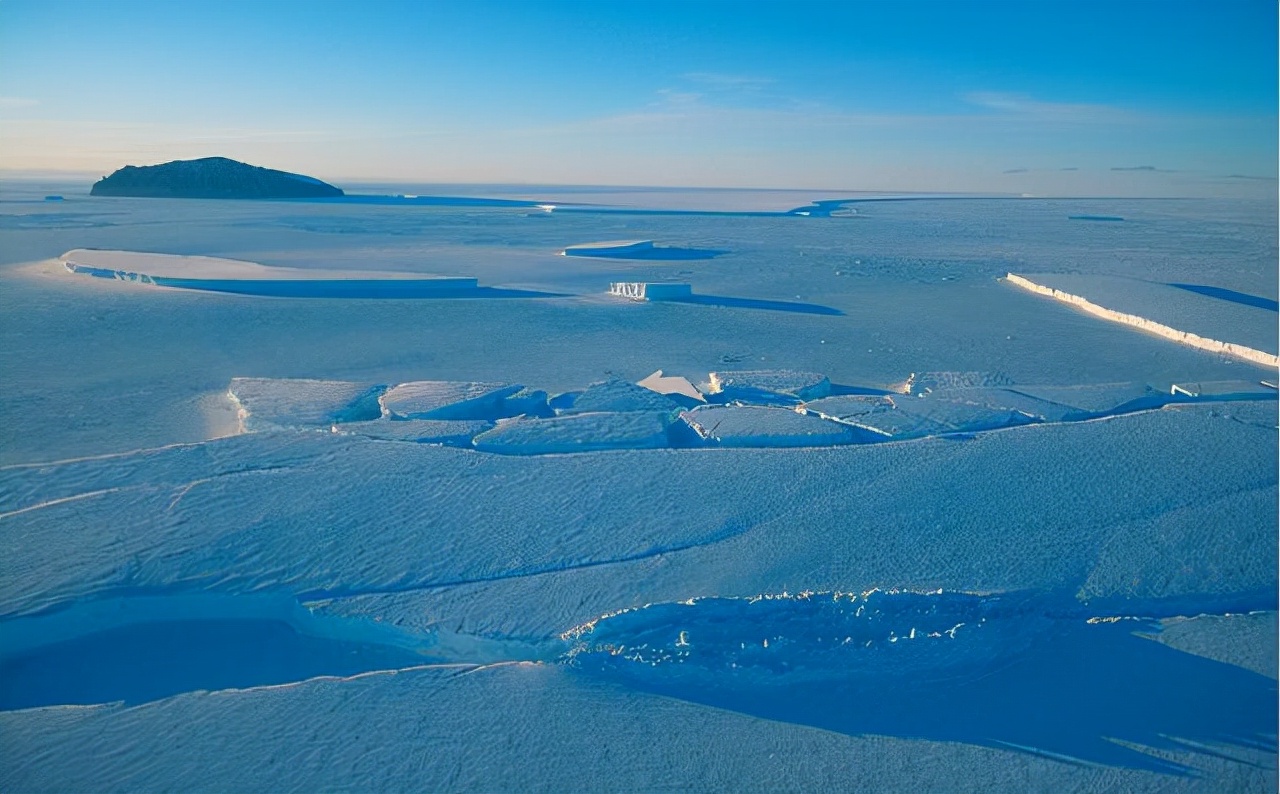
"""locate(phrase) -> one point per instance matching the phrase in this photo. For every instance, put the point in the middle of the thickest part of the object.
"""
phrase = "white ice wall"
(1182, 337)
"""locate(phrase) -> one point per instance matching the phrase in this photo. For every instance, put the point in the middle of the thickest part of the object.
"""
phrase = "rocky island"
(211, 178)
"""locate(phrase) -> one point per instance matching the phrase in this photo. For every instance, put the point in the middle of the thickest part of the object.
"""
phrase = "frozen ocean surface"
(940, 531)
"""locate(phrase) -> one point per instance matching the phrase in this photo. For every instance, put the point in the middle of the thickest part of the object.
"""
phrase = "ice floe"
(767, 426)
(619, 396)
(268, 403)
(437, 399)
(764, 385)
(578, 432)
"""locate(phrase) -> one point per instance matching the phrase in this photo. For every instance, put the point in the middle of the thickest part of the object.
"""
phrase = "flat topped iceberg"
(213, 274)
(271, 403)
(650, 290)
(752, 384)
(609, 248)
(162, 267)
(441, 399)
(763, 426)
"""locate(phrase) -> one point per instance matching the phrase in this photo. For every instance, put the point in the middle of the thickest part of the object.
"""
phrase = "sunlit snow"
(394, 493)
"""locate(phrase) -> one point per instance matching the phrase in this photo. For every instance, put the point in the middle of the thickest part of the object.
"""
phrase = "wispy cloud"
(1021, 106)
(16, 102)
(721, 80)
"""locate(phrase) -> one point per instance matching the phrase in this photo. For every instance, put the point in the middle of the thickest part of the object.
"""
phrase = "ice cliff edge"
(210, 178)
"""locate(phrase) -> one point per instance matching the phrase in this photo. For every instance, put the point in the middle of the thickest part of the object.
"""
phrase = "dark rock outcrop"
(210, 178)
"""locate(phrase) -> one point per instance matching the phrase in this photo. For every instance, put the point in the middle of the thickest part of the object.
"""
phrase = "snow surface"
(308, 605)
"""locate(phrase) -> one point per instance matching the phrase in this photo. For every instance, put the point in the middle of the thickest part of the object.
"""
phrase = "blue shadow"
(1221, 293)
(1011, 676)
(657, 253)
(381, 289)
(146, 662)
(753, 303)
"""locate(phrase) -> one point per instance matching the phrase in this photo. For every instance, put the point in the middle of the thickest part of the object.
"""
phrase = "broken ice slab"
(672, 386)
(272, 403)
(1000, 399)
(438, 399)
(619, 396)
(763, 426)
(423, 431)
(765, 385)
(526, 402)
(1223, 390)
(1098, 399)
(586, 432)
(902, 417)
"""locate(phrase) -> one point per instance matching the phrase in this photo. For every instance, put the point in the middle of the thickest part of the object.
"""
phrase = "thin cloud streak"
(17, 102)
(1017, 105)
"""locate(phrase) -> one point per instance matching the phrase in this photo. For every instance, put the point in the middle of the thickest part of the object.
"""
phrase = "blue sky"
(1136, 98)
